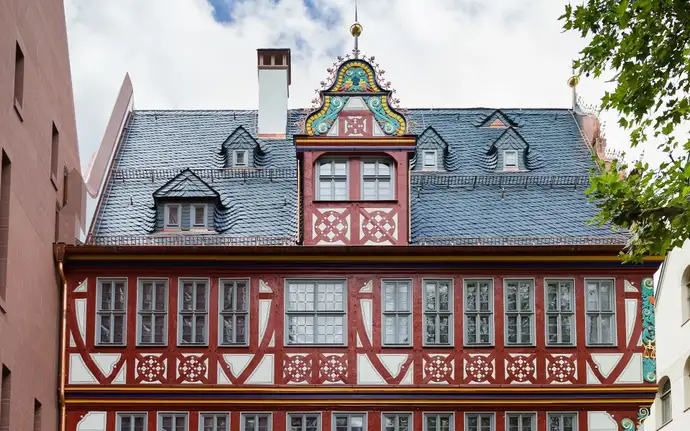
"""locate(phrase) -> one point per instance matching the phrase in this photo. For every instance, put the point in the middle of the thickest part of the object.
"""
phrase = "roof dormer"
(510, 153)
(431, 152)
(241, 150)
(185, 203)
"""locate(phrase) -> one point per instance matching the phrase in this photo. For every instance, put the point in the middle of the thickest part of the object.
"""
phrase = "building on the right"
(671, 409)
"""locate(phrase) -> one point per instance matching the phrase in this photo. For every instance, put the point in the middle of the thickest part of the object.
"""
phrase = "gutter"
(63, 338)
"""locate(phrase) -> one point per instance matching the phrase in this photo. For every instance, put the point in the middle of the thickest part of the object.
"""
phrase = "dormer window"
(199, 216)
(510, 159)
(429, 159)
(172, 216)
(377, 180)
(239, 158)
(332, 180)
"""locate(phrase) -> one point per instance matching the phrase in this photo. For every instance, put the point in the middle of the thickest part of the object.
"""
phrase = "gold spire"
(356, 30)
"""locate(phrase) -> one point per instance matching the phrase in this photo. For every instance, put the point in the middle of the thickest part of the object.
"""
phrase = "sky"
(201, 54)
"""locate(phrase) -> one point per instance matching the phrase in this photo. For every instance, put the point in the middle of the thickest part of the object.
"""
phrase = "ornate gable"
(353, 103)
(186, 185)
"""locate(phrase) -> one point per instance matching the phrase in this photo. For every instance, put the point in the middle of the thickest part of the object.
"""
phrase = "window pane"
(340, 189)
(199, 213)
(369, 189)
(325, 190)
(429, 158)
(326, 168)
(340, 168)
(172, 215)
(369, 168)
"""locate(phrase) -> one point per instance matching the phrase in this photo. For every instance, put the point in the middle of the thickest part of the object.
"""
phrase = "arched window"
(377, 179)
(332, 183)
(665, 404)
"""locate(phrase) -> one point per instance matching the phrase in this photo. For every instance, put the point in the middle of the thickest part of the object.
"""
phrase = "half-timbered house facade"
(354, 267)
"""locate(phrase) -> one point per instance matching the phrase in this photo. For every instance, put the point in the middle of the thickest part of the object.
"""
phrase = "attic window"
(510, 159)
(172, 216)
(199, 216)
(239, 158)
(429, 159)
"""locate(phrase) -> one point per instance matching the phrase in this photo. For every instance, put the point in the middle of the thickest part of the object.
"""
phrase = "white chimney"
(274, 81)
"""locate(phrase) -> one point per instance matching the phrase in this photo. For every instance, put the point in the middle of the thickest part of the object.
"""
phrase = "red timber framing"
(362, 376)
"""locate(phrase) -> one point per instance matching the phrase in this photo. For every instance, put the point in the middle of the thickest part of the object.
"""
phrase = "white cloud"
(437, 53)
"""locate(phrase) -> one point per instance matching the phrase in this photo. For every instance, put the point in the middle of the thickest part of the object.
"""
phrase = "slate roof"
(467, 202)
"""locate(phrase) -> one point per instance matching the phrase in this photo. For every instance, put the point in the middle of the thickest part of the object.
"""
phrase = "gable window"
(665, 397)
(234, 311)
(397, 422)
(397, 312)
(429, 159)
(519, 311)
(561, 421)
(377, 180)
(601, 315)
(438, 422)
(349, 422)
(304, 422)
(131, 422)
(256, 422)
(479, 422)
(172, 421)
(479, 307)
(240, 158)
(172, 216)
(521, 422)
(193, 311)
(316, 312)
(332, 180)
(560, 317)
(199, 216)
(214, 422)
(510, 159)
(111, 311)
(152, 310)
(438, 312)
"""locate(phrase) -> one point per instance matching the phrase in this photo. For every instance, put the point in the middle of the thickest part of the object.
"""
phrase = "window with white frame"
(665, 397)
(349, 422)
(131, 422)
(316, 312)
(397, 312)
(561, 421)
(332, 180)
(111, 311)
(214, 422)
(152, 310)
(256, 422)
(172, 216)
(438, 312)
(304, 422)
(234, 311)
(521, 422)
(479, 312)
(240, 158)
(601, 314)
(479, 422)
(377, 180)
(199, 215)
(438, 421)
(172, 422)
(510, 159)
(560, 312)
(519, 312)
(429, 159)
(397, 422)
(193, 304)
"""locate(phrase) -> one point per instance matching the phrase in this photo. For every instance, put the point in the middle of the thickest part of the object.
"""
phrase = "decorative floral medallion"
(331, 226)
(520, 368)
(438, 368)
(561, 368)
(192, 368)
(297, 368)
(151, 368)
(479, 369)
(379, 227)
(333, 368)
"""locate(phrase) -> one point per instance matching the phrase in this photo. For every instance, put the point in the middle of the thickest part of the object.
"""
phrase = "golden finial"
(356, 30)
(573, 81)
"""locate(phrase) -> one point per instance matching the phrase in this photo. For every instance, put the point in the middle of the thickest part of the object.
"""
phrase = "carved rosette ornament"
(192, 368)
(438, 368)
(479, 368)
(648, 331)
(151, 368)
(333, 368)
(520, 368)
(561, 369)
(297, 369)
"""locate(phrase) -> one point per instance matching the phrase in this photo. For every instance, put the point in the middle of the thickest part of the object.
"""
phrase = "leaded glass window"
(519, 311)
(479, 312)
(397, 422)
(350, 422)
(377, 180)
(111, 311)
(193, 304)
(601, 314)
(304, 422)
(561, 421)
(332, 184)
(560, 312)
(233, 312)
(521, 422)
(479, 422)
(397, 312)
(316, 312)
(438, 422)
(153, 312)
(438, 312)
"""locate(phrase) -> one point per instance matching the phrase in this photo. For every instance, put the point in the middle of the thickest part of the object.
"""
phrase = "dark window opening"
(18, 75)
(5, 184)
(54, 148)
(37, 415)
(5, 391)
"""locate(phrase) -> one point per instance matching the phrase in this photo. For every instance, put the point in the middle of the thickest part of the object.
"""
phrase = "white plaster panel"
(367, 288)
(392, 362)
(264, 288)
(601, 421)
(78, 371)
(222, 378)
(366, 307)
(105, 362)
(80, 310)
(409, 376)
(355, 104)
(238, 362)
(83, 286)
(359, 341)
(72, 343)
(121, 376)
(606, 362)
(591, 378)
(633, 371)
(92, 421)
(272, 343)
(366, 373)
(264, 312)
(335, 128)
(263, 373)
(629, 287)
(630, 317)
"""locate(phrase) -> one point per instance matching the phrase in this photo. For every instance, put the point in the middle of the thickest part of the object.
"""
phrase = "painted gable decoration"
(430, 147)
(496, 120)
(241, 150)
(185, 203)
(510, 152)
(354, 104)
